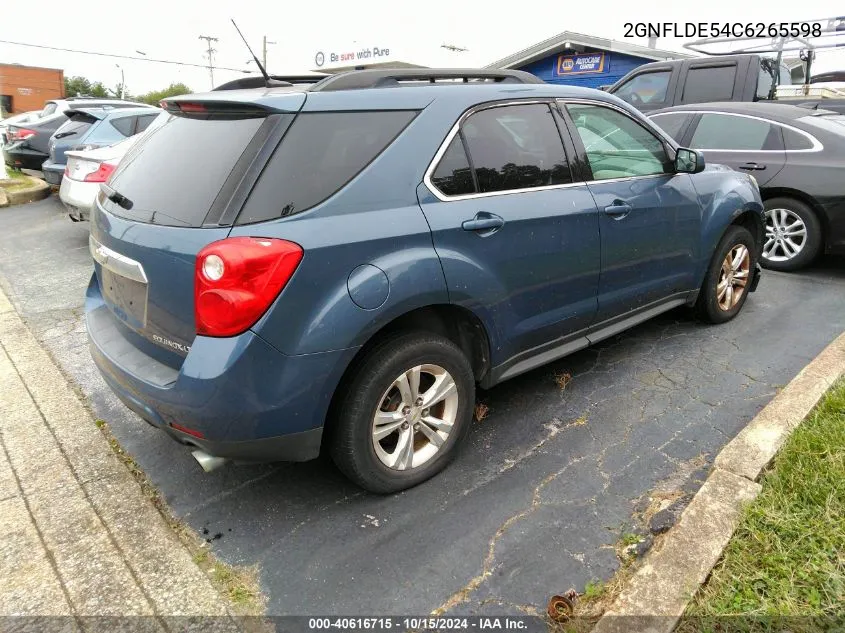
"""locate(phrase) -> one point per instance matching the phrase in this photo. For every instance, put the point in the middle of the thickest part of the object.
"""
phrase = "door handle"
(752, 167)
(618, 209)
(483, 221)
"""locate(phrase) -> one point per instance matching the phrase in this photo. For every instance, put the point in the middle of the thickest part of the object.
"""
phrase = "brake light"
(236, 280)
(22, 134)
(101, 175)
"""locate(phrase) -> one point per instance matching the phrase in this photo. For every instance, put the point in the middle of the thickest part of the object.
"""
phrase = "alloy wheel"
(786, 235)
(416, 414)
(733, 277)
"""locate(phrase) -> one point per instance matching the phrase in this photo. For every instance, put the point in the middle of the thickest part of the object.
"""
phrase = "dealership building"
(25, 88)
(583, 60)
(567, 58)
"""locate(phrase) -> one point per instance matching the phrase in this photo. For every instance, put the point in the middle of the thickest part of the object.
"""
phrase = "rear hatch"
(178, 189)
(73, 132)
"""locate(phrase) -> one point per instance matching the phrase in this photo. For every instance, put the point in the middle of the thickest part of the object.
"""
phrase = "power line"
(210, 54)
(142, 59)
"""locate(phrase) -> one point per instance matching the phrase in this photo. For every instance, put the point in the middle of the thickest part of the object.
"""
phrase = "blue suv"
(335, 267)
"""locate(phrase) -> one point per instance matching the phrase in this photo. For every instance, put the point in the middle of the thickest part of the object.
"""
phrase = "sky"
(413, 31)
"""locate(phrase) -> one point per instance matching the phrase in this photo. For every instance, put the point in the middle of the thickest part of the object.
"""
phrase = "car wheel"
(404, 413)
(725, 287)
(793, 235)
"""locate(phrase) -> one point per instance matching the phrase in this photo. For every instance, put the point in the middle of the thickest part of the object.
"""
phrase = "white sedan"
(86, 170)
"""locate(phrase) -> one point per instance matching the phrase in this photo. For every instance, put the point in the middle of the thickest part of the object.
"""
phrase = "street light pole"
(264, 52)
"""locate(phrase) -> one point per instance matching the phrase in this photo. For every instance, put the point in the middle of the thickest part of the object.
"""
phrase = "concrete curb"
(38, 190)
(80, 536)
(657, 594)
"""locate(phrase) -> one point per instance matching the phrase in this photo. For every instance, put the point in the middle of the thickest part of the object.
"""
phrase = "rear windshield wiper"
(118, 198)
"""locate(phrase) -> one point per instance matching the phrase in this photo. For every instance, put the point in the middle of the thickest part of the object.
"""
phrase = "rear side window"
(453, 175)
(725, 131)
(144, 122)
(123, 125)
(319, 154)
(793, 140)
(709, 83)
(174, 173)
(515, 147)
(673, 123)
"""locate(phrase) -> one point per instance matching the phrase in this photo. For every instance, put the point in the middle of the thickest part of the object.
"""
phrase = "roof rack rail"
(387, 77)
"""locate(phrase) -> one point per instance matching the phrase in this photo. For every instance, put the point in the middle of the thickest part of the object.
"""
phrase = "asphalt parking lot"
(547, 484)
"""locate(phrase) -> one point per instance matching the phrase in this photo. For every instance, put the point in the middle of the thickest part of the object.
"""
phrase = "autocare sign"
(580, 64)
(351, 56)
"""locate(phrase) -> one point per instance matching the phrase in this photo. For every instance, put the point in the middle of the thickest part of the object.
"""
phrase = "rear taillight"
(102, 174)
(236, 280)
(23, 134)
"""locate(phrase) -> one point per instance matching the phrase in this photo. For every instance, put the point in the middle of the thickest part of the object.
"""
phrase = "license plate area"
(126, 297)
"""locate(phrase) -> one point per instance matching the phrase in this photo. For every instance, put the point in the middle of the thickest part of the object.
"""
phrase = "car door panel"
(747, 144)
(649, 222)
(526, 260)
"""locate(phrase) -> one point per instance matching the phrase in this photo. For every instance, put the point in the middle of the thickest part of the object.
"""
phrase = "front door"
(649, 217)
(518, 239)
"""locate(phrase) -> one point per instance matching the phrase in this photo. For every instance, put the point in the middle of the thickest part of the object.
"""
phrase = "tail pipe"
(208, 462)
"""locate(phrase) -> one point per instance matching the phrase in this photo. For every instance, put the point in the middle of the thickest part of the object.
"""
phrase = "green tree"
(82, 87)
(153, 97)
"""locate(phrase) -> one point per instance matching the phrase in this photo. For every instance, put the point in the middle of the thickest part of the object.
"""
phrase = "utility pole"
(210, 54)
(264, 52)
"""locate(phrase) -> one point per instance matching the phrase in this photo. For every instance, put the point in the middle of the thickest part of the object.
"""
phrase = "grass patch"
(787, 558)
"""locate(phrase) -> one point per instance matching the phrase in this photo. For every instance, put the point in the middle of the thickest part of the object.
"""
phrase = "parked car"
(739, 78)
(336, 266)
(17, 119)
(28, 143)
(796, 156)
(90, 128)
(87, 169)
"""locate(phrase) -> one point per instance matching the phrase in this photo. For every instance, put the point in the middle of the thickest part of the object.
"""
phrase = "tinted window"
(144, 122)
(616, 145)
(320, 153)
(724, 131)
(709, 83)
(174, 173)
(645, 88)
(515, 147)
(123, 125)
(453, 176)
(672, 123)
(74, 128)
(794, 140)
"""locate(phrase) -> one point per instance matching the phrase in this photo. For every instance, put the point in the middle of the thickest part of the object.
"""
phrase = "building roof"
(568, 40)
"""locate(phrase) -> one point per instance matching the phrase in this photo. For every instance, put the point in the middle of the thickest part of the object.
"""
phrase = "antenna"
(267, 81)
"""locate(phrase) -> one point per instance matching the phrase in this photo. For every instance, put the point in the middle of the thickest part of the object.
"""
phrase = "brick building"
(25, 88)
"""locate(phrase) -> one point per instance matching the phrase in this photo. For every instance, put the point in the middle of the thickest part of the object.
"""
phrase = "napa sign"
(581, 64)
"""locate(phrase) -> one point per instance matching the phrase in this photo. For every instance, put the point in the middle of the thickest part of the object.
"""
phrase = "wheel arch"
(458, 324)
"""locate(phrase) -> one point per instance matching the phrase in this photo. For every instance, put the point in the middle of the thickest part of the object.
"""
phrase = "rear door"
(746, 143)
(168, 198)
(649, 217)
(516, 233)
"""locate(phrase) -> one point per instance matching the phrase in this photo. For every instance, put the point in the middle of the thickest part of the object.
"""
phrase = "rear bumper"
(240, 397)
(53, 172)
(23, 158)
(78, 197)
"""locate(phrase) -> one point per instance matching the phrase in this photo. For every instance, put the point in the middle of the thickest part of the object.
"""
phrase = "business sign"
(351, 56)
(580, 64)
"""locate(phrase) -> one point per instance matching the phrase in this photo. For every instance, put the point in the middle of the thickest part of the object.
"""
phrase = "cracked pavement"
(545, 487)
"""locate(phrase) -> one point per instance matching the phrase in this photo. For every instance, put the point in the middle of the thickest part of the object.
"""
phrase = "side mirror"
(688, 161)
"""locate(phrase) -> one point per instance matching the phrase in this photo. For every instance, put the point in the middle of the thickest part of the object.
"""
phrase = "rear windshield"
(174, 173)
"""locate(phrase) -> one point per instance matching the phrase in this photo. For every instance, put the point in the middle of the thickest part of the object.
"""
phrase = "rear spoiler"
(95, 114)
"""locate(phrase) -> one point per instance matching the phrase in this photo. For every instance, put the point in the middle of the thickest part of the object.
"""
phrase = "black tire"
(813, 240)
(707, 306)
(351, 442)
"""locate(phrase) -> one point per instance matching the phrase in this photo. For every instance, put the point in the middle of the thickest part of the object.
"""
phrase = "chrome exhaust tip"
(208, 462)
